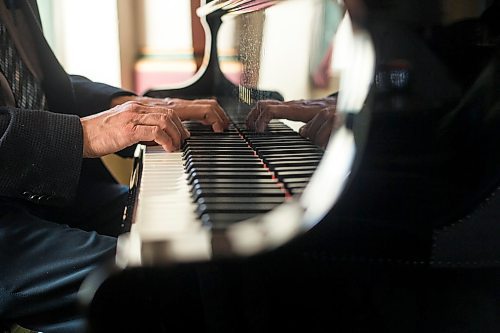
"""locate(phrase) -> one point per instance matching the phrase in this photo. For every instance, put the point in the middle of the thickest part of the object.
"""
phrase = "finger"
(156, 134)
(322, 136)
(215, 106)
(265, 116)
(315, 123)
(182, 129)
(272, 111)
(166, 123)
(211, 117)
(303, 130)
(252, 116)
(222, 114)
(207, 116)
(260, 106)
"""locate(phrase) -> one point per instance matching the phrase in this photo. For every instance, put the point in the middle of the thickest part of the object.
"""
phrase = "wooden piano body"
(379, 241)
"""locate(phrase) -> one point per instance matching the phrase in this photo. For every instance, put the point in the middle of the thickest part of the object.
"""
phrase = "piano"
(246, 232)
(191, 205)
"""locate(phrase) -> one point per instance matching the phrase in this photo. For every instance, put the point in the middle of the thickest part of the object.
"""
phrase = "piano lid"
(236, 6)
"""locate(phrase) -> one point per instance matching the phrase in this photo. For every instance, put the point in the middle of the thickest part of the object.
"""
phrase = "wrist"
(118, 100)
(87, 151)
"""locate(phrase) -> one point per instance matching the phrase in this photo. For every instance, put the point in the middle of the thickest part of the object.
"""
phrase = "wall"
(84, 36)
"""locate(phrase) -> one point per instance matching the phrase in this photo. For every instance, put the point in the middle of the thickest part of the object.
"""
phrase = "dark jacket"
(41, 151)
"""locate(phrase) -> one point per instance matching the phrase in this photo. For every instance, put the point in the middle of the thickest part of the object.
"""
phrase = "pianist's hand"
(320, 128)
(298, 110)
(130, 123)
(206, 111)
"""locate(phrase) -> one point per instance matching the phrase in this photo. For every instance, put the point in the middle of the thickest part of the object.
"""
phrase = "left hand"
(206, 111)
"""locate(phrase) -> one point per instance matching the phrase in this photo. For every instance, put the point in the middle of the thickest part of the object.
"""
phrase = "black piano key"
(297, 191)
(211, 133)
(234, 208)
(298, 185)
(230, 192)
(222, 166)
(219, 151)
(259, 172)
(281, 147)
(280, 169)
(218, 145)
(227, 139)
(292, 163)
(296, 156)
(307, 150)
(296, 173)
(229, 174)
(290, 180)
(272, 143)
(221, 158)
(214, 186)
(232, 163)
(235, 181)
(229, 167)
(231, 200)
(223, 220)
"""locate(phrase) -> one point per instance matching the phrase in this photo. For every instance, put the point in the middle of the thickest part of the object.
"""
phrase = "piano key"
(273, 143)
(281, 151)
(222, 220)
(267, 192)
(252, 208)
(235, 181)
(291, 156)
(221, 158)
(229, 174)
(291, 180)
(281, 169)
(223, 166)
(231, 200)
(219, 145)
(235, 186)
(236, 163)
(271, 164)
(256, 168)
(228, 138)
(221, 151)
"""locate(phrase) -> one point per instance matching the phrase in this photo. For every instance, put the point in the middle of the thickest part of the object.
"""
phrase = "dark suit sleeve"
(40, 155)
(93, 97)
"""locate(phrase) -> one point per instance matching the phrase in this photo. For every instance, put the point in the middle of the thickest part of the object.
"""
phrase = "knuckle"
(129, 128)
(168, 114)
(157, 131)
(132, 106)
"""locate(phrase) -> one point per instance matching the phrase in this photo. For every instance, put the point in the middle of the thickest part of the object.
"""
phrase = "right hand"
(130, 123)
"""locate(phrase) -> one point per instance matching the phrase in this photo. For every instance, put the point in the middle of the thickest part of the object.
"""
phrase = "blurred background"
(148, 44)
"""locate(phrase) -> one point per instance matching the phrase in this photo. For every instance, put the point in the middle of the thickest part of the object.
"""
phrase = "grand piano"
(247, 232)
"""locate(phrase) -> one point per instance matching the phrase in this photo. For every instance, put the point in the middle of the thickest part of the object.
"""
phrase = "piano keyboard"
(219, 179)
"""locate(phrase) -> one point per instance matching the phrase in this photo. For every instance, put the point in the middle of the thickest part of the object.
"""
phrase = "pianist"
(60, 210)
